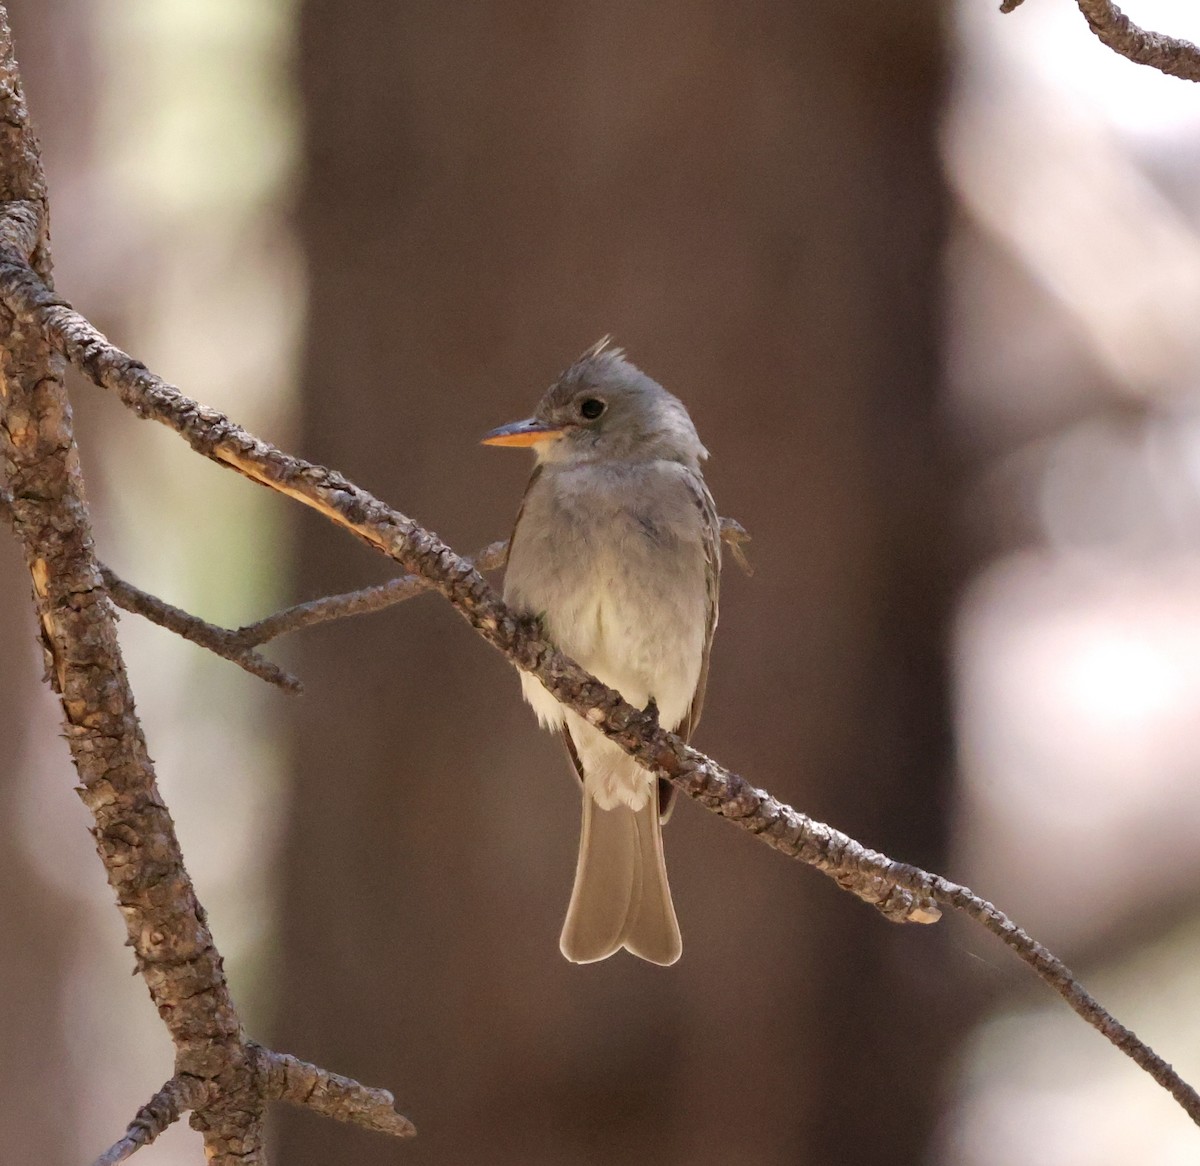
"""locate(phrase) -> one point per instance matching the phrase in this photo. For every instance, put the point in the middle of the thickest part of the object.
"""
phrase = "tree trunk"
(749, 198)
(40, 926)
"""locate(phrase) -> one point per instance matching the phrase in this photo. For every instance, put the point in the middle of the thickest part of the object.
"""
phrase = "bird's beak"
(528, 432)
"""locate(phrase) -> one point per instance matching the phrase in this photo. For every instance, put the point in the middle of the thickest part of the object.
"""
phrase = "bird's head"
(603, 408)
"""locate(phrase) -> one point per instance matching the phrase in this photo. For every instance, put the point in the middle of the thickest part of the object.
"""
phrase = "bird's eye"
(592, 408)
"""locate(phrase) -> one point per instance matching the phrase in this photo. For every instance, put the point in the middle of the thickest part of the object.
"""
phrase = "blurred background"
(927, 278)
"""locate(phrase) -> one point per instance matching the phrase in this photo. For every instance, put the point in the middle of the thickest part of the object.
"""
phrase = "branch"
(162, 1110)
(1168, 54)
(902, 893)
(863, 872)
(191, 627)
(298, 1082)
(362, 602)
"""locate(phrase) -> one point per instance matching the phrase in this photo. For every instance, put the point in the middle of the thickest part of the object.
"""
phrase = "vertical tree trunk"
(35, 922)
(749, 198)
(38, 925)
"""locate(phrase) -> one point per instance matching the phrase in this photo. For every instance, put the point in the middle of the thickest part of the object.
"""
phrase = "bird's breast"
(616, 571)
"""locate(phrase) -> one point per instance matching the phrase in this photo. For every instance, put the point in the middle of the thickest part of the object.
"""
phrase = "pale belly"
(643, 650)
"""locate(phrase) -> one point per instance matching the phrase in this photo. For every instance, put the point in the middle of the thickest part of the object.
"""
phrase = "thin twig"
(236, 646)
(198, 631)
(177, 1096)
(901, 892)
(1168, 54)
(350, 603)
(331, 1095)
(1054, 972)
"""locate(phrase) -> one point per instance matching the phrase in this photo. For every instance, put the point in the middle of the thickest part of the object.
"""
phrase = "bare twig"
(362, 602)
(903, 893)
(191, 627)
(297, 1082)
(237, 646)
(177, 1096)
(1168, 54)
(225, 643)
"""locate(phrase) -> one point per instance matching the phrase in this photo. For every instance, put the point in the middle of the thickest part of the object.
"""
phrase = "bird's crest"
(594, 362)
(603, 347)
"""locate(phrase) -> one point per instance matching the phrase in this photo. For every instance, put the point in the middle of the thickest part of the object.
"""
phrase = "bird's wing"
(572, 752)
(537, 473)
(711, 539)
(710, 534)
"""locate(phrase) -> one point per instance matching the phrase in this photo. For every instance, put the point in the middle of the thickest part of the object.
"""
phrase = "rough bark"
(39, 923)
(135, 837)
(43, 499)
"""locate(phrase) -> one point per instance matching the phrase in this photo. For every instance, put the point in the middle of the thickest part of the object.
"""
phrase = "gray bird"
(616, 550)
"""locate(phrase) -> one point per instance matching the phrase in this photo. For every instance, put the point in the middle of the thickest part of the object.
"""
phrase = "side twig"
(299, 1083)
(1168, 54)
(216, 639)
(162, 1110)
(351, 603)
(902, 893)
(385, 595)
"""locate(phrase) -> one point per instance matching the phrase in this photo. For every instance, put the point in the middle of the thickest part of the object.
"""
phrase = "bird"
(616, 552)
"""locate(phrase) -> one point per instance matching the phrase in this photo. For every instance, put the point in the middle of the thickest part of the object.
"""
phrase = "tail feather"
(621, 897)
(651, 929)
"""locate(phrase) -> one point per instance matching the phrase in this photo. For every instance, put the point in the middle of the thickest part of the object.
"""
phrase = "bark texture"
(39, 923)
(42, 494)
(134, 834)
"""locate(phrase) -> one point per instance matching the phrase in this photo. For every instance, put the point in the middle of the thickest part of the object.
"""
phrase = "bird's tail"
(621, 896)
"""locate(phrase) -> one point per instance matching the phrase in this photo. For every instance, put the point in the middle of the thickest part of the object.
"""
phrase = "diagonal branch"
(1168, 54)
(901, 892)
(422, 553)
